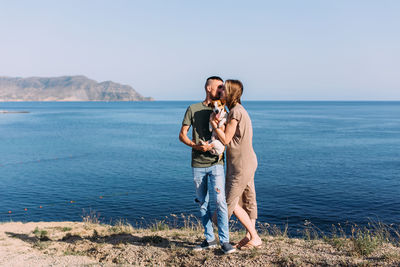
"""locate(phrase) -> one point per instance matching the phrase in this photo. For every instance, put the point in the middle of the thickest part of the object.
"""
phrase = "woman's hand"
(214, 121)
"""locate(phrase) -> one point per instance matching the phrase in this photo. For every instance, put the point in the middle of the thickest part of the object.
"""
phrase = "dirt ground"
(87, 244)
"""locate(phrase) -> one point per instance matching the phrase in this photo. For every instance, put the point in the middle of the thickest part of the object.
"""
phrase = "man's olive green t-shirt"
(198, 116)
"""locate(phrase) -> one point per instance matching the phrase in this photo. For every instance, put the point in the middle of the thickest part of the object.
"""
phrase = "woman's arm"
(225, 137)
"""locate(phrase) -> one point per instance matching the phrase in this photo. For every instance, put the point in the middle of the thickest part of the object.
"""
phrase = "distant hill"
(65, 88)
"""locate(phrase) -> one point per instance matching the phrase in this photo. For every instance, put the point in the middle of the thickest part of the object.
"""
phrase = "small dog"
(221, 114)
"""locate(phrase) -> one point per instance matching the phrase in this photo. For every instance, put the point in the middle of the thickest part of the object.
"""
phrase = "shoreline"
(95, 244)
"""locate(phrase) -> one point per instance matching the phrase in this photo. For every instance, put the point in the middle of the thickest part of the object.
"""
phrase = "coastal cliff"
(65, 88)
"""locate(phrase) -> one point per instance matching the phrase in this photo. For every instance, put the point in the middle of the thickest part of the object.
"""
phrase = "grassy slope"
(161, 245)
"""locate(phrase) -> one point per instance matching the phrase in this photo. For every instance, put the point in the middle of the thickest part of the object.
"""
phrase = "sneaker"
(227, 248)
(206, 245)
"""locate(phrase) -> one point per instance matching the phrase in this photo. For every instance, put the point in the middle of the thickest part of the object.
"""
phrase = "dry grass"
(170, 242)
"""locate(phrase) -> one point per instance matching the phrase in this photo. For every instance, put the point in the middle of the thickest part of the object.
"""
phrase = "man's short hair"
(212, 78)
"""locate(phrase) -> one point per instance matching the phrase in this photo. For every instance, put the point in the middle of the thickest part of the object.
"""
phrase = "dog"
(221, 114)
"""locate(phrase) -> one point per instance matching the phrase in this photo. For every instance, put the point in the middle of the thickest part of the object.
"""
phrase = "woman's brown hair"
(233, 90)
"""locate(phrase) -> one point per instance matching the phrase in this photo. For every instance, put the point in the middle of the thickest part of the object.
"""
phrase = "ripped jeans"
(215, 177)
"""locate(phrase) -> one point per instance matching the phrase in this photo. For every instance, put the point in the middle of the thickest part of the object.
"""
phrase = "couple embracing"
(235, 194)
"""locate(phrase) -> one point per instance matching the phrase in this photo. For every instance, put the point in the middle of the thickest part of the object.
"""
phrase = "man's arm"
(187, 141)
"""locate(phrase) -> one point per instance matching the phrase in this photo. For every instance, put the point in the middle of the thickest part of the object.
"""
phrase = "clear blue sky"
(281, 50)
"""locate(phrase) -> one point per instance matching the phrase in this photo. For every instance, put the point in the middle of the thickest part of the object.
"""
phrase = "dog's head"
(218, 108)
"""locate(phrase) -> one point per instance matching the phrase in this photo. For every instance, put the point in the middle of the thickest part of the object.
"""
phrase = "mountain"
(65, 88)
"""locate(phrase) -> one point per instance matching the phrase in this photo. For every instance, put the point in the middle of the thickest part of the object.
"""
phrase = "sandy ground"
(17, 247)
(86, 244)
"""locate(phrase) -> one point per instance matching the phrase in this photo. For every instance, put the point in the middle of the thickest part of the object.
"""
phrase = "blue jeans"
(217, 185)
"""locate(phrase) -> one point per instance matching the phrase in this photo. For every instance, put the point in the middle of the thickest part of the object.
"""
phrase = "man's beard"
(216, 97)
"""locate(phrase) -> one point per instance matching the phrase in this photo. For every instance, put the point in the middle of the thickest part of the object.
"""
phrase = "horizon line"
(185, 100)
(298, 100)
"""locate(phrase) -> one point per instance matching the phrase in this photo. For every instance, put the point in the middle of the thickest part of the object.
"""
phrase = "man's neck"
(207, 101)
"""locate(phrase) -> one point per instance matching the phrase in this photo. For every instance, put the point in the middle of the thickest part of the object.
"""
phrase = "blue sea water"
(319, 162)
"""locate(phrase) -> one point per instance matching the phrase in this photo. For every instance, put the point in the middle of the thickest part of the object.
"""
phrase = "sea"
(319, 163)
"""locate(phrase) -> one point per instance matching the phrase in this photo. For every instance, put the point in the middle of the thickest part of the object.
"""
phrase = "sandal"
(242, 243)
(250, 246)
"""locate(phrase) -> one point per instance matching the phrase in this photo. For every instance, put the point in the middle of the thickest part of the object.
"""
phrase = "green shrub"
(41, 234)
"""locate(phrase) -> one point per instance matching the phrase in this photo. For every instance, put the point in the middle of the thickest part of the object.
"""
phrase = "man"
(208, 169)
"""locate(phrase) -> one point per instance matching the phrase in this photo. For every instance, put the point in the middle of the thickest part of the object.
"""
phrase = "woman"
(241, 163)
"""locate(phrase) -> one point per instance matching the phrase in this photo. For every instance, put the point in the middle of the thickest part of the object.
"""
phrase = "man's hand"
(203, 146)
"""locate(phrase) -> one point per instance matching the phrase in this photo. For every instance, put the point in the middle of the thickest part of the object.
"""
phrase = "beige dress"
(241, 164)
